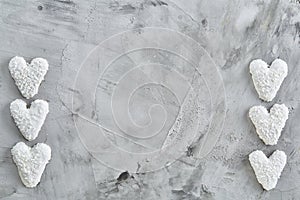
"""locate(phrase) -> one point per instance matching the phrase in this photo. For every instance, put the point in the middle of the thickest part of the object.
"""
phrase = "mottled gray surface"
(232, 32)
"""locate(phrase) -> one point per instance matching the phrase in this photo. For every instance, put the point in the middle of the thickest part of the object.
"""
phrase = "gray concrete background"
(232, 32)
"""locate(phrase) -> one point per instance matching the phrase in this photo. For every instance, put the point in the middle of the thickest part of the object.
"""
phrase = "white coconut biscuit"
(268, 79)
(267, 170)
(269, 125)
(31, 162)
(29, 120)
(28, 77)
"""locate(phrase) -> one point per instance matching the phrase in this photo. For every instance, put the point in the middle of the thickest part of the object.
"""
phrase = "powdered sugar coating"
(268, 79)
(269, 125)
(267, 170)
(28, 77)
(31, 162)
(29, 120)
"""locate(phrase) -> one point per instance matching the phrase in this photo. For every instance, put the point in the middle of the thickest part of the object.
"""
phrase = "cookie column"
(31, 162)
(269, 125)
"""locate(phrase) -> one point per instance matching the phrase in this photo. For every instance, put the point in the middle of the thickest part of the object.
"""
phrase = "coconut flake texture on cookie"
(269, 125)
(31, 162)
(29, 120)
(268, 79)
(28, 77)
(267, 170)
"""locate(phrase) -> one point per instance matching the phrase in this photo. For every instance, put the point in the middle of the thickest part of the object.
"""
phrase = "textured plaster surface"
(232, 32)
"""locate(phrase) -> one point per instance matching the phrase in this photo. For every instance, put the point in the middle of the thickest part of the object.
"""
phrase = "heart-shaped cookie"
(31, 162)
(28, 77)
(29, 120)
(267, 79)
(267, 170)
(269, 125)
